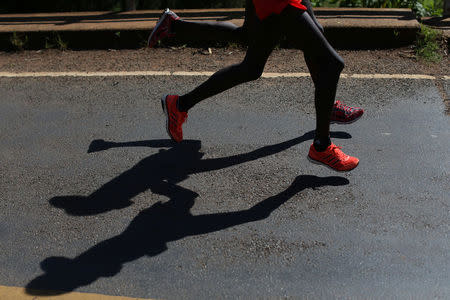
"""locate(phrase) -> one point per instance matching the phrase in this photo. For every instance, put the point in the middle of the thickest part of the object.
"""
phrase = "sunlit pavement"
(95, 198)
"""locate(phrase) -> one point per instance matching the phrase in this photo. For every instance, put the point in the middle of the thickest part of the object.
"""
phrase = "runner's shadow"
(101, 145)
(151, 230)
(160, 172)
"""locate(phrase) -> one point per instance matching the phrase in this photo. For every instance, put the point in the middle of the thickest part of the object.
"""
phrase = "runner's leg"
(213, 31)
(324, 64)
(311, 13)
(208, 31)
(263, 38)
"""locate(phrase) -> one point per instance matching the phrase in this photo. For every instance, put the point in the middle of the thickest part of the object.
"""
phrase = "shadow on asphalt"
(151, 230)
(161, 172)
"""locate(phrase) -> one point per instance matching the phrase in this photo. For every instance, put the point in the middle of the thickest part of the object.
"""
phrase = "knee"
(332, 68)
(254, 75)
(328, 71)
(331, 65)
(251, 73)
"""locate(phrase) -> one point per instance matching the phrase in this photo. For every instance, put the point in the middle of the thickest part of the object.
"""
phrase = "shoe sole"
(316, 162)
(164, 107)
(163, 17)
(346, 123)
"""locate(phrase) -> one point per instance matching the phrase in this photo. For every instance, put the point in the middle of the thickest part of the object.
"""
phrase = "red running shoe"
(174, 117)
(162, 28)
(333, 157)
(343, 114)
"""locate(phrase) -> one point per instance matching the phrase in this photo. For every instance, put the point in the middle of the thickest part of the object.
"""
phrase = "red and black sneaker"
(162, 28)
(174, 117)
(343, 114)
(334, 158)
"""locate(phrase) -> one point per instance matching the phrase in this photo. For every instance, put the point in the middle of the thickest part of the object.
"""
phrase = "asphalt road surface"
(95, 198)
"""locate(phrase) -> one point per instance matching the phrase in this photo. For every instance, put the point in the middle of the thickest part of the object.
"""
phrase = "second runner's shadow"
(149, 233)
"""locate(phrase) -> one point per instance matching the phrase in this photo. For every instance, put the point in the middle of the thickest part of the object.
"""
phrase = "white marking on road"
(392, 76)
(205, 73)
(181, 73)
(386, 133)
(86, 74)
(279, 75)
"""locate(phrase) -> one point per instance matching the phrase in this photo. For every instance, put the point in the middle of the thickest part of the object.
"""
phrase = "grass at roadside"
(18, 41)
(55, 41)
(430, 44)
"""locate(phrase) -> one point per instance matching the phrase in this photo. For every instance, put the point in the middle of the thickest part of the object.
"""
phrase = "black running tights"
(324, 64)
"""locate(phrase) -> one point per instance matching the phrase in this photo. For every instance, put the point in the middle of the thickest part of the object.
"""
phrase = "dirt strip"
(394, 61)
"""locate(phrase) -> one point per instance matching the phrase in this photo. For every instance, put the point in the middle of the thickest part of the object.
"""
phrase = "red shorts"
(265, 8)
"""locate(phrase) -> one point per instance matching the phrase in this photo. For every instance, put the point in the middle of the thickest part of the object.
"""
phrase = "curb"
(345, 28)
